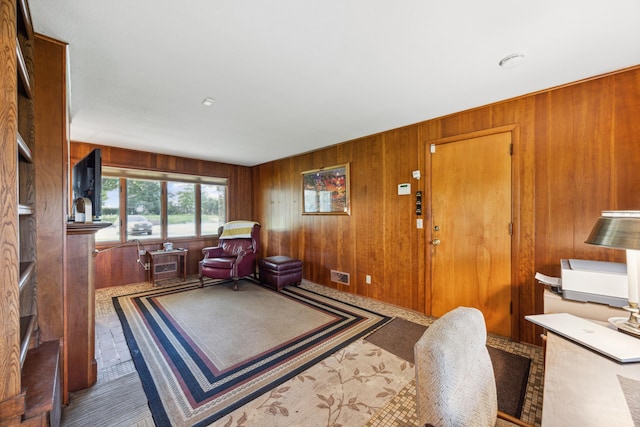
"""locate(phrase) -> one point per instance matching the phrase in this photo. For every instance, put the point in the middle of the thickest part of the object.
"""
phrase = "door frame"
(522, 243)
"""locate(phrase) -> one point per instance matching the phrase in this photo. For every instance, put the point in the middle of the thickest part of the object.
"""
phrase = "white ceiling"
(291, 76)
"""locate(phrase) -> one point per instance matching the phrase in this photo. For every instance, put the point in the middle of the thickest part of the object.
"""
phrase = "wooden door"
(471, 235)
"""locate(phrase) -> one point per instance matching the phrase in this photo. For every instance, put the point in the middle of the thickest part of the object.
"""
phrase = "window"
(110, 210)
(160, 206)
(181, 209)
(143, 209)
(212, 207)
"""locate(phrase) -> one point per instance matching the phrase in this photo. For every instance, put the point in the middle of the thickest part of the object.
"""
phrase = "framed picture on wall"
(325, 191)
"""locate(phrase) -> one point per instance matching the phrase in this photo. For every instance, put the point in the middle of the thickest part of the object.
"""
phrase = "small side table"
(156, 256)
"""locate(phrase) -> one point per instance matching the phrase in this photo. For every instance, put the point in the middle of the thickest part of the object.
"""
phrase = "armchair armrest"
(213, 251)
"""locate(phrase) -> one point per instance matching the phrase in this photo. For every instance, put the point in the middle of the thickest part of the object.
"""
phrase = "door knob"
(435, 242)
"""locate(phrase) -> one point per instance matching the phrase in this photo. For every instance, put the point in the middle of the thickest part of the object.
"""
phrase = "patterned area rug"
(204, 352)
(346, 389)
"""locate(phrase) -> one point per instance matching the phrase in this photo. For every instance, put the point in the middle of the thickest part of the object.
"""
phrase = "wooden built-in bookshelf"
(30, 372)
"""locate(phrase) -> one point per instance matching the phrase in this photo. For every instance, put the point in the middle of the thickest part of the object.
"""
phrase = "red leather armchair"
(236, 253)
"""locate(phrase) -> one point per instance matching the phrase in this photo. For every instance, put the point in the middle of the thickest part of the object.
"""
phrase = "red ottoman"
(280, 271)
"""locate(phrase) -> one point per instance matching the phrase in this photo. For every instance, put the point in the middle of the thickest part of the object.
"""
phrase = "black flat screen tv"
(87, 181)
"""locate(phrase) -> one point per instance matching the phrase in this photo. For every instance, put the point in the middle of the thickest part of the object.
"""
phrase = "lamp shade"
(616, 229)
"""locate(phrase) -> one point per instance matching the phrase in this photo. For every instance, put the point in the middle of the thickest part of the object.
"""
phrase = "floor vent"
(167, 267)
(340, 277)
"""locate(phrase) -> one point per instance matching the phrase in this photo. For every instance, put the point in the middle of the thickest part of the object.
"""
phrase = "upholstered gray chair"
(455, 383)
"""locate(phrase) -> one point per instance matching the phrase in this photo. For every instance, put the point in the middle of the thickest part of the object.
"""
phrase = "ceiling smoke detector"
(511, 61)
(208, 101)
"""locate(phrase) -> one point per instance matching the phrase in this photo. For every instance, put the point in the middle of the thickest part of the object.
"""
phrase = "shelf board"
(27, 326)
(24, 149)
(41, 379)
(23, 72)
(26, 269)
(25, 210)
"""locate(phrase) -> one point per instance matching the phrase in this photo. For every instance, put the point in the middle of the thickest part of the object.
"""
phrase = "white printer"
(595, 281)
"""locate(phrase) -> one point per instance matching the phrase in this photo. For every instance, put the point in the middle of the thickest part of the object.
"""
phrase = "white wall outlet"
(419, 223)
(367, 279)
(147, 266)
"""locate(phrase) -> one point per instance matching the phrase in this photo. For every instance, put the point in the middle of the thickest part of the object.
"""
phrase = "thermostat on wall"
(404, 189)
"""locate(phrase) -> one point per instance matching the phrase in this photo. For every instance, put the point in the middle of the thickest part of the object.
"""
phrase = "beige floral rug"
(346, 389)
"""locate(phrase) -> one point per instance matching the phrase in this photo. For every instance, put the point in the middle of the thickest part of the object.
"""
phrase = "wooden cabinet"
(30, 369)
(79, 332)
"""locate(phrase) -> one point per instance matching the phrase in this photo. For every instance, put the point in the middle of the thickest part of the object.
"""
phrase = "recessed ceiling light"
(208, 101)
(512, 60)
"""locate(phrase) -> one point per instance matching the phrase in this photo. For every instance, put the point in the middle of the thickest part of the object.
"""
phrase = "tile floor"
(112, 353)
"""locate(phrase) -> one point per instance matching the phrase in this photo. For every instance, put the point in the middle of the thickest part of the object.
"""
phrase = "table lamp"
(621, 230)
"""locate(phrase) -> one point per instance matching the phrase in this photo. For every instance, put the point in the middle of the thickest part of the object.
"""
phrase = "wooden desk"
(581, 387)
(155, 256)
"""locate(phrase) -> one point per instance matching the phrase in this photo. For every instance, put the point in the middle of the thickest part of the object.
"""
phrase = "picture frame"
(325, 191)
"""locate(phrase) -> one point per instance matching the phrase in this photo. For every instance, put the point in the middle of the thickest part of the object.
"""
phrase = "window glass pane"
(110, 210)
(143, 209)
(213, 208)
(181, 209)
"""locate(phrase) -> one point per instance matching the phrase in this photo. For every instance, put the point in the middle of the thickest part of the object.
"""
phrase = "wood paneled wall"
(577, 152)
(118, 266)
(379, 238)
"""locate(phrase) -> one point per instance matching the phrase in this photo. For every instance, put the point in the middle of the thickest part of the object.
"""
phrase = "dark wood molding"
(86, 228)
